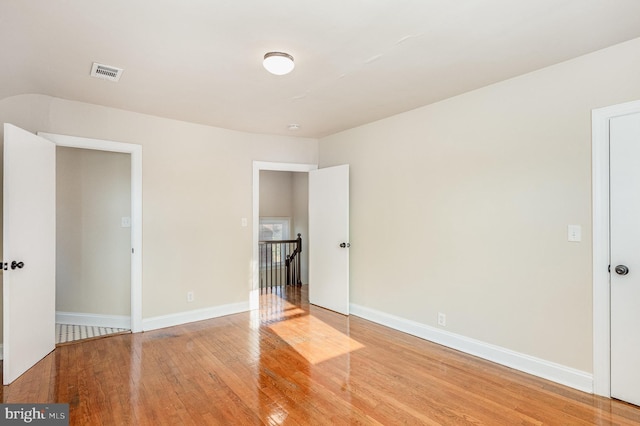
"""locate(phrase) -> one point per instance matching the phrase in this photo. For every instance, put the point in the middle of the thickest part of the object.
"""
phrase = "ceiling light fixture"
(278, 63)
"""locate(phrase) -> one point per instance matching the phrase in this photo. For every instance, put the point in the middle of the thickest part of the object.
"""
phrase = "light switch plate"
(574, 233)
(243, 222)
(126, 222)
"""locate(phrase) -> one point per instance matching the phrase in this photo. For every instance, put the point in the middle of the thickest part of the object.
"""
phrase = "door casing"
(601, 247)
(136, 208)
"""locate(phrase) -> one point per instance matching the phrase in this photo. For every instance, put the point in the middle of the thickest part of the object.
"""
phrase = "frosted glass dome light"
(278, 63)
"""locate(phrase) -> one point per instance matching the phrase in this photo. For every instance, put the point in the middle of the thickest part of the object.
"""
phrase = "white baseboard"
(558, 373)
(98, 320)
(180, 318)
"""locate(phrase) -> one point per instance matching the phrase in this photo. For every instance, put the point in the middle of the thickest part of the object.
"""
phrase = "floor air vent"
(106, 72)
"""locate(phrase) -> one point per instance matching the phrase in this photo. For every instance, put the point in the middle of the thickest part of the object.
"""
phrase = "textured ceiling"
(356, 60)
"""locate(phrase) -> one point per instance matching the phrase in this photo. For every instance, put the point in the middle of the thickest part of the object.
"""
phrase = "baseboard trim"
(98, 320)
(180, 318)
(558, 373)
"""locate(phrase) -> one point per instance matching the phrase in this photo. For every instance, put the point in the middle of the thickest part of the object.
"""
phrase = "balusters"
(279, 263)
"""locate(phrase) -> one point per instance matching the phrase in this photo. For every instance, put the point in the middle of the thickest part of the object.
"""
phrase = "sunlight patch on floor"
(313, 339)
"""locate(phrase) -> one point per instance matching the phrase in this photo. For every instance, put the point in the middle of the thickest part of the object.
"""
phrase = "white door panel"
(29, 237)
(625, 251)
(328, 229)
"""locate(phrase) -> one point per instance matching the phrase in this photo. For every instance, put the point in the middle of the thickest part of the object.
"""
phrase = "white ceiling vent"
(106, 72)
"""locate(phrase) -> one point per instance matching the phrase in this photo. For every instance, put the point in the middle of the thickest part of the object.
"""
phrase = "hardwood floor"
(291, 363)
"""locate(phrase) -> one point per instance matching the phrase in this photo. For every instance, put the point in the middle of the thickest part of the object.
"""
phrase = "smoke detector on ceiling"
(106, 72)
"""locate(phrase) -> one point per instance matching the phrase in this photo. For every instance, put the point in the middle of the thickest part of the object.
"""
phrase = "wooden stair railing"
(280, 262)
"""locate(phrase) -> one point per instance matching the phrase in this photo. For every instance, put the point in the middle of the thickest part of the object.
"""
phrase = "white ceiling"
(356, 60)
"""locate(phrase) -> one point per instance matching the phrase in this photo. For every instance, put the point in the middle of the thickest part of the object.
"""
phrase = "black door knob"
(345, 245)
(621, 270)
(18, 265)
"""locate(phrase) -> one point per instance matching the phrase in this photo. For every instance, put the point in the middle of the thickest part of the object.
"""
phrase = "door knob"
(18, 265)
(344, 245)
(621, 270)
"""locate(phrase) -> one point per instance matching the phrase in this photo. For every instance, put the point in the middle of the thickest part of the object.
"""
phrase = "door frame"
(136, 208)
(254, 300)
(601, 242)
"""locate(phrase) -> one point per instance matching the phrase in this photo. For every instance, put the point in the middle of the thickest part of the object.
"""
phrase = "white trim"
(97, 320)
(558, 373)
(257, 166)
(136, 208)
(600, 209)
(180, 318)
(1, 352)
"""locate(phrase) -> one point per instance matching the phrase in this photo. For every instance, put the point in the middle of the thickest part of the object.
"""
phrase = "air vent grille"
(106, 72)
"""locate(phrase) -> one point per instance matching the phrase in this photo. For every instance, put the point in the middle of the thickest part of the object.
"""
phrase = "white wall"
(276, 194)
(462, 207)
(93, 250)
(197, 185)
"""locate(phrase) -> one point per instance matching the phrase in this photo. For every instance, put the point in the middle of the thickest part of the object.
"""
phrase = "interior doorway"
(93, 243)
(273, 177)
(29, 190)
(283, 229)
(134, 151)
(328, 233)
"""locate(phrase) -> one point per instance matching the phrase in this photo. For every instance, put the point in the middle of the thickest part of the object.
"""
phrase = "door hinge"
(609, 268)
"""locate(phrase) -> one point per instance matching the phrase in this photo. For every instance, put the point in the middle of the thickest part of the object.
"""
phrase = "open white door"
(29, 246)
(625, 257)
(329, 238)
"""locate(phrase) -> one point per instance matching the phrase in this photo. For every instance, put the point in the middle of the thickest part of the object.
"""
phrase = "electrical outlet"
(442, 319)
(190, 296)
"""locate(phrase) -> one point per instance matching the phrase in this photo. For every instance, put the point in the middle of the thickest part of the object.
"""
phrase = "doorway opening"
(283, 230)
(280, 198)
(93, 244)
(132, 223)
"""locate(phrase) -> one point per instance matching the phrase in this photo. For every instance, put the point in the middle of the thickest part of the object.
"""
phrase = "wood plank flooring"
(295, 364)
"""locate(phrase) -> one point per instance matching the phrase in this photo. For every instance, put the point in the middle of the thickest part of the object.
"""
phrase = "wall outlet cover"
(442, 319)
